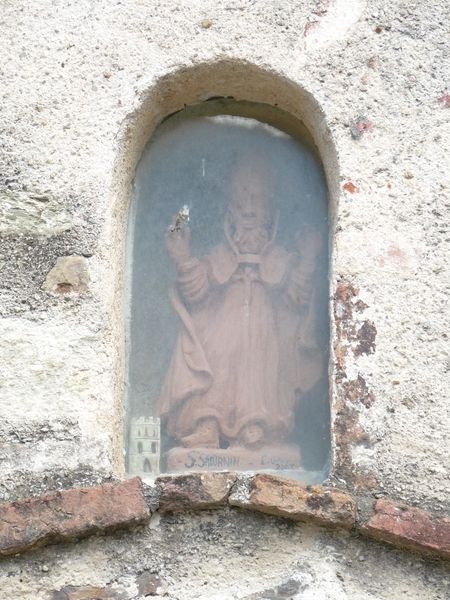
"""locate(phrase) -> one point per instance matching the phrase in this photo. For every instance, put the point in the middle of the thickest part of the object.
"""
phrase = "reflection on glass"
(228, 325)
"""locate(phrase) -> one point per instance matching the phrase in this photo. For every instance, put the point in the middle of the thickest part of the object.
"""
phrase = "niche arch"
(192, 86)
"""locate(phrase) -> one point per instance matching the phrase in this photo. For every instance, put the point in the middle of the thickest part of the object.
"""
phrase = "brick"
(194, 491)
(70, 514)
(284, 498)
(409, 527)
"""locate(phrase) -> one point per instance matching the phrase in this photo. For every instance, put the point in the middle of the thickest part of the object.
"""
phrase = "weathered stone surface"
(283, 591)
(356, 335)
(194, 491)
(360, 126)
(148, 584)
(87, 592)
(32, 213)
(70, 514)
(70, 274)
(285, 498)
(409, 527)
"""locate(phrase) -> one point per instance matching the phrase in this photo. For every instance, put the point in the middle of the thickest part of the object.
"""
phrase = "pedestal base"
(271, 458)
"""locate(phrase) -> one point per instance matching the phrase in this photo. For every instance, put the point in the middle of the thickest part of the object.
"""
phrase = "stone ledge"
(70, 514)
(285, 498)
(409, 527)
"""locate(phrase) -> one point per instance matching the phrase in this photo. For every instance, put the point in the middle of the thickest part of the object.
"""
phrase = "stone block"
(409, 527)
(285, 498)
(70, 514)
(70, 274)
(33, 213)
(194, 491)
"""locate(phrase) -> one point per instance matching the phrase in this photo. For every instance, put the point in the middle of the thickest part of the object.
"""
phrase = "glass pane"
(228, 329)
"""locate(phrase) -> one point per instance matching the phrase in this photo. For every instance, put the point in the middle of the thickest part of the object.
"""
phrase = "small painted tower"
(144, 446)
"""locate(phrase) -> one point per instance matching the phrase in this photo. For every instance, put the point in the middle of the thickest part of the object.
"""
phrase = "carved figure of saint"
(245, 347)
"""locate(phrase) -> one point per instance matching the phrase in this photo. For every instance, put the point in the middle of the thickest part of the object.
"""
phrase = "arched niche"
(227, 290)
(196, 85)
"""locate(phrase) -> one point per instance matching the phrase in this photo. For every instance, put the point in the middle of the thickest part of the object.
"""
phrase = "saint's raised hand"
(178, 244)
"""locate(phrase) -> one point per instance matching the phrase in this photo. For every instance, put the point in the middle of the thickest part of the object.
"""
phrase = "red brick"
(285, 498)
(409, 527)
(70, 514)
(194, 491)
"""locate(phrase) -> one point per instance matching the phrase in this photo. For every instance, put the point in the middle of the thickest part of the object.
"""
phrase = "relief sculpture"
(246, 349)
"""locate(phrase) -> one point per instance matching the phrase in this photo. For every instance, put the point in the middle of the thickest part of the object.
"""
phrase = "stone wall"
(83, 86)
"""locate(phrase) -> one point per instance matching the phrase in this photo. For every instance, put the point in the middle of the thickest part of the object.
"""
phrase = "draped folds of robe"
(244, 348)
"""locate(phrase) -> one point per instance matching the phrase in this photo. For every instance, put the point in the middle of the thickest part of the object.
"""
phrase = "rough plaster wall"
(72, 73)
(229, 556)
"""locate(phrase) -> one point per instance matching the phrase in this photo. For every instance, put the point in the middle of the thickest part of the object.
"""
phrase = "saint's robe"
(245, 347)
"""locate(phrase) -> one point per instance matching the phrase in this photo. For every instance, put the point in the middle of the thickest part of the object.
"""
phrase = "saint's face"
(249, 204)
